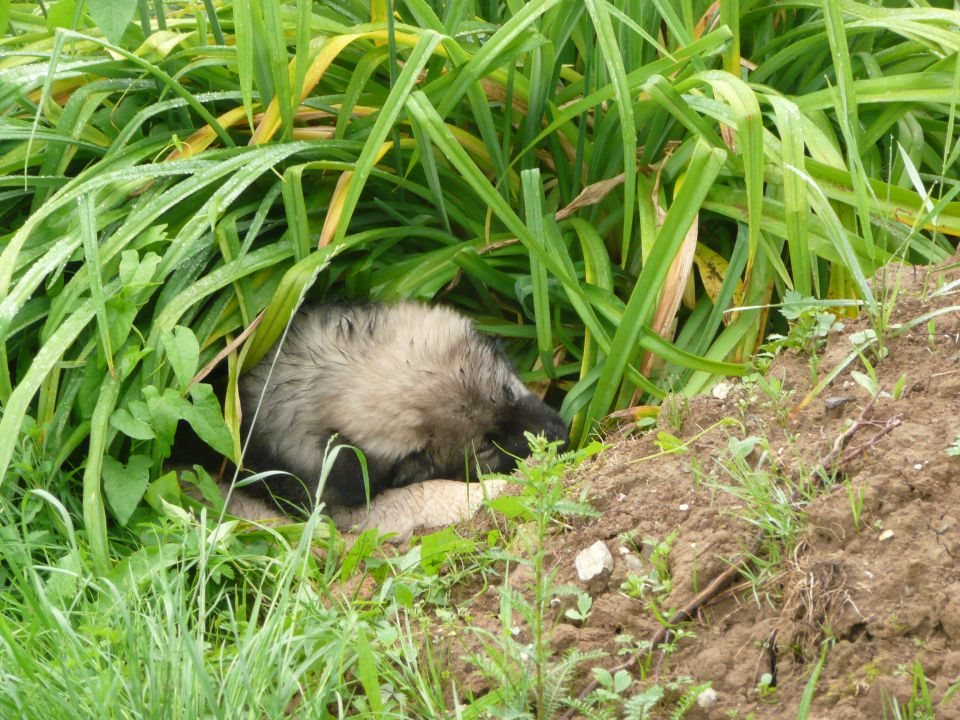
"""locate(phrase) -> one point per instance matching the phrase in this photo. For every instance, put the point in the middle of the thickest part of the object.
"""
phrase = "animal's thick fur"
(416, 388)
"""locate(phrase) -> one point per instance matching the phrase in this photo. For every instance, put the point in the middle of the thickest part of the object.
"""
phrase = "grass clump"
(619, 189)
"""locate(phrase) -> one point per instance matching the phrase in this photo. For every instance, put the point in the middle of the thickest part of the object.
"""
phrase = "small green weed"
(810, 322)
(855, 497)
(919, 706)
(770, 502)
(954, 449)
(658, 583)
(526, 672)
(765, 689)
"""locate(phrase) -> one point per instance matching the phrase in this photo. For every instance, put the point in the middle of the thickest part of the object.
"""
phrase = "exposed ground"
(884, 589)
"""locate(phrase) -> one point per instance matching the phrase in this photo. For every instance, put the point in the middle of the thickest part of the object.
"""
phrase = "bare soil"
(885, 591)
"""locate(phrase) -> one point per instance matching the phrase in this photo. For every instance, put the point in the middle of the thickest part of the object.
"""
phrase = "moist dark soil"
(882, 590)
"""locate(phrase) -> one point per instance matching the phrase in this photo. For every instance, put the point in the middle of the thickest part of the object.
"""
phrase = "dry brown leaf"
(590, 195)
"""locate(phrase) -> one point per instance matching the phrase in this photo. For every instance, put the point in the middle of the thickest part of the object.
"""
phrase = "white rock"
(721, 390)
(886, 535)
(684, 507)
(634, 565)
(594, 562)
(707, 698)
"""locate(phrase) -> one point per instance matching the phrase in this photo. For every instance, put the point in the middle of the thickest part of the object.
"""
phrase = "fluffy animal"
(415, 387)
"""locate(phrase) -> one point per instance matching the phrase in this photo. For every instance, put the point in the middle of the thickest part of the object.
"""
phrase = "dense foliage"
(168, 179)
(597, 181)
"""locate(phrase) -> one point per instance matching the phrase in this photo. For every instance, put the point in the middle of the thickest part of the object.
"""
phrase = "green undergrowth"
(229, 619)
(620, 190)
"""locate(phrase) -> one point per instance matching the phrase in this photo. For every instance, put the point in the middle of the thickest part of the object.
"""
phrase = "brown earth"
(885, 592)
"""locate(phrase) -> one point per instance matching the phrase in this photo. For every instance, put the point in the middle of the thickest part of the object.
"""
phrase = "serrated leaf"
(124, 485)
(183, 351)
(130, 426)
(509, 506)
(207, 421)
(112, 16)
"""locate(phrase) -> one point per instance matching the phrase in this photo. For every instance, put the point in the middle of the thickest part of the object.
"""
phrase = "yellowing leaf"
(318, 66)
(338, 199)
(160, 44)
(204, 137)
(378, 11)
(713, 269)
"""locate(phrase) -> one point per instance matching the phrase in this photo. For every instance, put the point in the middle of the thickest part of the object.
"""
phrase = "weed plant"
(618, 188)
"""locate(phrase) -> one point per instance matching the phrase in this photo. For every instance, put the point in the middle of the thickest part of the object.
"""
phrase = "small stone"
(707, 698)
(886, 535)
(633, 564)
(594, 563)
(684, 507)
(918, 466)
(721, 390)
(835, 401)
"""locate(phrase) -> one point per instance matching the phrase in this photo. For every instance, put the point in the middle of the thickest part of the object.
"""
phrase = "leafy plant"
(175, 170)
(919, 706)
(529, 669)
(954, 449)
(658, 582)
(855, 498)
(810, 322)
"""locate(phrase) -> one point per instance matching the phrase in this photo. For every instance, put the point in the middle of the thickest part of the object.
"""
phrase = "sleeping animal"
(415, 387)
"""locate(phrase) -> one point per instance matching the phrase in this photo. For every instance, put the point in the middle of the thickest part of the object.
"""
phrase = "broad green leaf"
(206, 419)
(124, 485)
(130, 426)
(183, 352)
(112, 16)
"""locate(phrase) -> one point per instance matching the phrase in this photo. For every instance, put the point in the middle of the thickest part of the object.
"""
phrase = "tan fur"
(395, 381)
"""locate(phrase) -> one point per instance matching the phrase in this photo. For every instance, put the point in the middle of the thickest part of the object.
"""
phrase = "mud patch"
(869, 564)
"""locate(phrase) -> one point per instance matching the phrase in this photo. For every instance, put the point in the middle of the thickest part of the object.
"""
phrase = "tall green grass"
(200, 621)
(599, 183)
